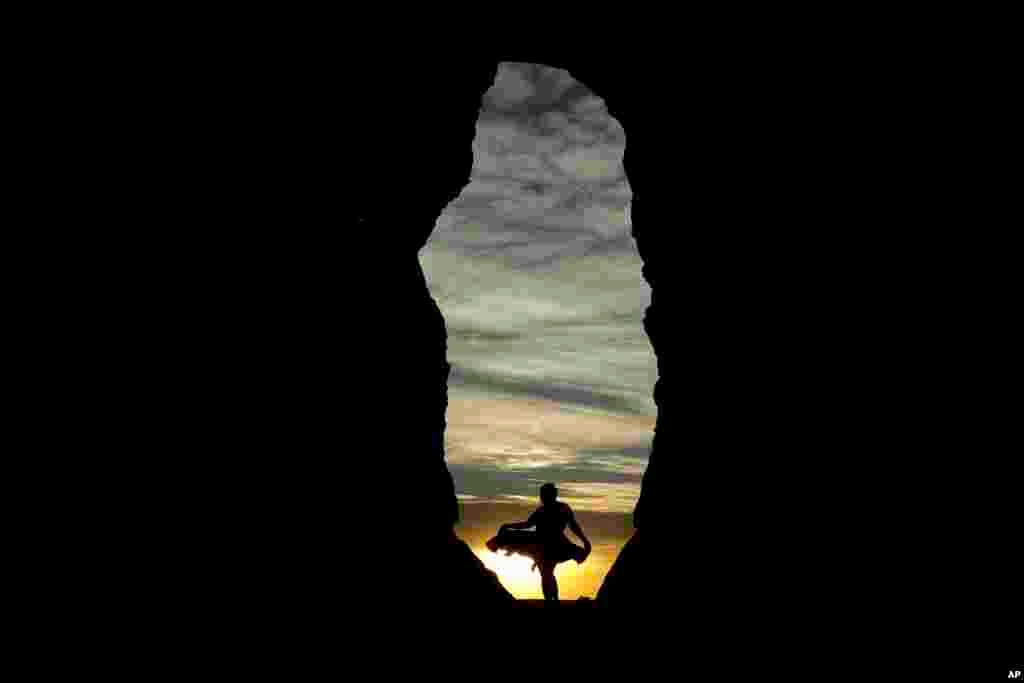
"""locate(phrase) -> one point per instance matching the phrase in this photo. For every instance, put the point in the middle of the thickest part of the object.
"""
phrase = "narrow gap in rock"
(536, 273)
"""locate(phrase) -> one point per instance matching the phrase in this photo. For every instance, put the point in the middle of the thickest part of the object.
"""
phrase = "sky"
(539, 281)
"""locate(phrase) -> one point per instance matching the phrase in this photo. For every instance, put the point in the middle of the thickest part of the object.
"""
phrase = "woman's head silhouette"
(548, 493)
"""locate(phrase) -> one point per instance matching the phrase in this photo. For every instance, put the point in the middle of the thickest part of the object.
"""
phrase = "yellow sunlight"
(574, 581)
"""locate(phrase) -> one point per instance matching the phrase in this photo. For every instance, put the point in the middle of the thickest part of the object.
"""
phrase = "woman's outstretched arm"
(519, 525)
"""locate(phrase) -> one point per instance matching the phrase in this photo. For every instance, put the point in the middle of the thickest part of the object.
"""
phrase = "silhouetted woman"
(547, 545)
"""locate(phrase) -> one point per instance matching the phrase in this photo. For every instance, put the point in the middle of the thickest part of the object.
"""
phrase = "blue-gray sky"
(540, 284)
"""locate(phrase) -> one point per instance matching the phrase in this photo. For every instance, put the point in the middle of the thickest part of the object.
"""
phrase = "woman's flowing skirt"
(530, 544)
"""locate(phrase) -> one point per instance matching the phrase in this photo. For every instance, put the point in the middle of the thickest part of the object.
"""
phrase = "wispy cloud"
(540, 284)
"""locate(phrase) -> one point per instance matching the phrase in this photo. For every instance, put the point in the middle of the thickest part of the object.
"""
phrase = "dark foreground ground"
(582, 603)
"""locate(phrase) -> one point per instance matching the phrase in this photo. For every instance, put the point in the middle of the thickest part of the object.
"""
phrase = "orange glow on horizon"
(574, 581)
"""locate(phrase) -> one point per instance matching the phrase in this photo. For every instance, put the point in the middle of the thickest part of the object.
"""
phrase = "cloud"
(484, 425)
(535, 271)
(502, 450)
(601, 496)
(508, 384)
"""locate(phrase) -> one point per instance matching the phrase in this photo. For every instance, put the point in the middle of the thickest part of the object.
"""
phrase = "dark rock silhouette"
(275, 410)
(260, 370)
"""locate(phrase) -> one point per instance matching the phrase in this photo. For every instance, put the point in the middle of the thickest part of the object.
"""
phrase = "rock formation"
(268, 371)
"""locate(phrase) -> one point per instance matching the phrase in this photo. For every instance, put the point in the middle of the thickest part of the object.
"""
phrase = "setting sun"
(574, 581)
(515, 572)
